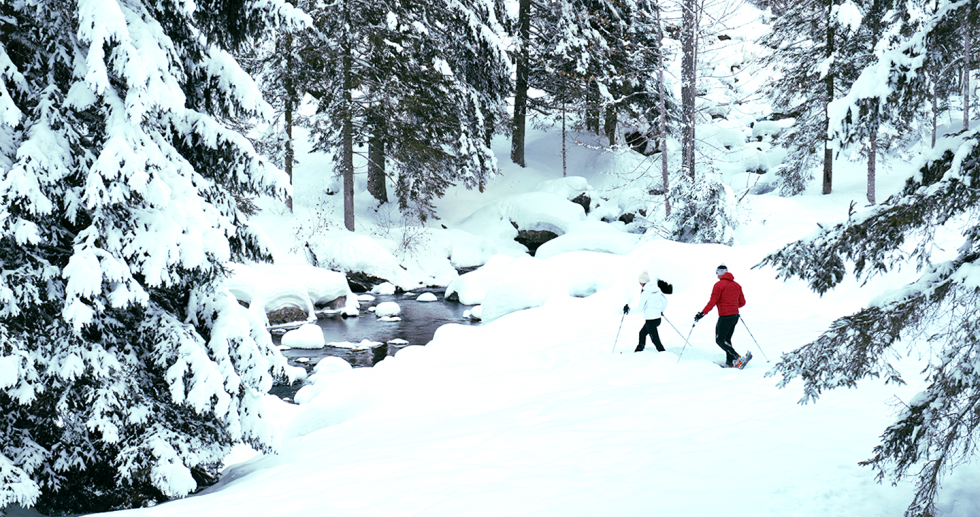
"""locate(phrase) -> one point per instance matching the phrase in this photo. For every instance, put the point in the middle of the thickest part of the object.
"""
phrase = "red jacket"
(727, 295)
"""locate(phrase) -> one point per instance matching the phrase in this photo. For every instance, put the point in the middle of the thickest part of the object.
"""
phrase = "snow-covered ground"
(540, 411)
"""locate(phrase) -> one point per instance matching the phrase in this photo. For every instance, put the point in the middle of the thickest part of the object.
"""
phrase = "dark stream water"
(419, 321)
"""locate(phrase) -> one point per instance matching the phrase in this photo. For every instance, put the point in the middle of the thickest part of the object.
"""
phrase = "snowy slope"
(536, 413)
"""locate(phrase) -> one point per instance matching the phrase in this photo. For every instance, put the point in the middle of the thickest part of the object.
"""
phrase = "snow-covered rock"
(427, 297)
(386, 288)
(308, 336)
(387, 309)
(267, 288)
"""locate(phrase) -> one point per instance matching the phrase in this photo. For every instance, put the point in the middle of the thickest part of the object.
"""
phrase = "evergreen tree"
(127, 369)
(936, 315)
(809, 42)
(408, 81)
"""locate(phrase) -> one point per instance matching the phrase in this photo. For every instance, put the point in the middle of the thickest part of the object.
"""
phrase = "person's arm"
(715, 294)
(741, 299)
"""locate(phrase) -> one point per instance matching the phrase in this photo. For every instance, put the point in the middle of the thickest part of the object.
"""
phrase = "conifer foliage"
(938, 314)
(127, 369)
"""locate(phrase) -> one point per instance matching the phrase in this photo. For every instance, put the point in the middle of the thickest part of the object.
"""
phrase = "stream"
(419, 321)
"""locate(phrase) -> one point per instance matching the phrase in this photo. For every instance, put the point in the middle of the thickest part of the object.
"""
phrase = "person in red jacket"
(727, 295)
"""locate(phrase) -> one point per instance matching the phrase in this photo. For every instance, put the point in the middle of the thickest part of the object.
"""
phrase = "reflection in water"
(419, 321)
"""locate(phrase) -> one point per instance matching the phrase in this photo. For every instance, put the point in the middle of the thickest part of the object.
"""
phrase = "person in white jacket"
(652, 303)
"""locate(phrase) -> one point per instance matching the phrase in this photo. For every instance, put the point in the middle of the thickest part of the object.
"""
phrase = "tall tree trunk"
(347, 131)
(967, 50)
(935, 111)
(609, 128)
(520, 94)
(872, 157)
(376, 168)
(564, 150)
(663, 113)
(688, 85)
(828, 151)
(291, 103)
(592, 111)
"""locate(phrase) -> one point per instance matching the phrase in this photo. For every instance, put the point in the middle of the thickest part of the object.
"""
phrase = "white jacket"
(652, 301)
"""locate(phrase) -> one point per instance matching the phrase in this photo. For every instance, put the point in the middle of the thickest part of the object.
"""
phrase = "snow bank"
(267, 288)
(543, 211)
(308, 336)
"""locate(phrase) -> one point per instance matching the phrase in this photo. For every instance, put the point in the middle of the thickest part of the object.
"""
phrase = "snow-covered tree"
(809, 43)
(705, 209)
(127, 369)
(937, 315)
(403, 75)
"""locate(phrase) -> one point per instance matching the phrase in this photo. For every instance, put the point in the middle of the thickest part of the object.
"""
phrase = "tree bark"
(828, 152)
(872, 158)
(520, 93)
(688, 85)
(967, 50)
(609, 128)
(592, 111)
(347, 130)
(291, 103)
(663, 114)
(376, 168)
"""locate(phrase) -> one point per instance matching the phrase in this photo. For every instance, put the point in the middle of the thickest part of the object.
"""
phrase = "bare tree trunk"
(376, 168)
(520, 94)
(872, 157)
(564, 150)
(935, 112)
(828, 152)
(688, 85)
(291, 102)
(592, 100)
(663, 114)
(347, 131)
(967, 50)
(610, 125)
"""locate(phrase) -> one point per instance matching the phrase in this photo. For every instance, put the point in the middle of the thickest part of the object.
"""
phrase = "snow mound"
(387, 309)
(589, 236)
(267, 288)
(308, 336)
(569, 188)
(543, 211)
(427, 297)
(353, 253)
(386, 288)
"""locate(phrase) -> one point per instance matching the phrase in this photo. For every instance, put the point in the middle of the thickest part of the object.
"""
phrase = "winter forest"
(172, 169)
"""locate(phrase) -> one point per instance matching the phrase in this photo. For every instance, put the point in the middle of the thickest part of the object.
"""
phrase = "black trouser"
(650, 328)
(723, 336)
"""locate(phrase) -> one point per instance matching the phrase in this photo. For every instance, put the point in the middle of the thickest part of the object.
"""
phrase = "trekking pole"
(686, 342)
(753, 338)
(675, 328)
(618, 331)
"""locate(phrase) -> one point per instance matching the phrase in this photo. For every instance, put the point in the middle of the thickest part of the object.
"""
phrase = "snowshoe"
(742, 361)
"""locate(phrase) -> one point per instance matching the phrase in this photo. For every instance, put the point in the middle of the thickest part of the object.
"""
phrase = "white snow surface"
(387, 309)
(544, 409)
(308, 336)
(267, 288)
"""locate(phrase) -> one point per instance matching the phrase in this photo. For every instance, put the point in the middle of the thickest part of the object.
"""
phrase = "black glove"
(698, 316)
(626, 309)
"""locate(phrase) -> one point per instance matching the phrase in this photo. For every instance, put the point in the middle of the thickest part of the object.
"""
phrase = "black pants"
(650, 329)
(723, 336)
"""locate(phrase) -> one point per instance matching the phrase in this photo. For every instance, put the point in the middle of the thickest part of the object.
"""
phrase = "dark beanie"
(722, 269)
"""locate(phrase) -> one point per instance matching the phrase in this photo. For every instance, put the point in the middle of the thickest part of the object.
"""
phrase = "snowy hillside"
(539, 412)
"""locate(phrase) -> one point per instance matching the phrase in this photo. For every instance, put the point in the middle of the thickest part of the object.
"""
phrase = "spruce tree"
(127, 368)
(937, 315)
(407, 78)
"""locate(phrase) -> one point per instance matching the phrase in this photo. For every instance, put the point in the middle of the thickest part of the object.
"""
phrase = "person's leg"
(651, 327)
(723, 336)
(643, 338)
